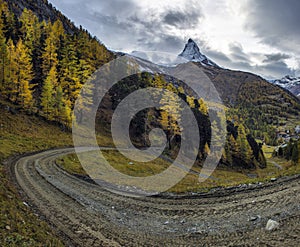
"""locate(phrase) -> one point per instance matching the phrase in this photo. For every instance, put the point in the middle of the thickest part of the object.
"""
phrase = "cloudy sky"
(260, 36)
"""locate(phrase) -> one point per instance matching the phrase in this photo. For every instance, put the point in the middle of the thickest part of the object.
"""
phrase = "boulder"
(272, 225)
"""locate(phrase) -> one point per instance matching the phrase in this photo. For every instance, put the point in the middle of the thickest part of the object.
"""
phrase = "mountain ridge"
(44, 10)
(290, 83)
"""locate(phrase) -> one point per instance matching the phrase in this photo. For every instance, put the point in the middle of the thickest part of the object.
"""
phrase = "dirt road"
(89, 215)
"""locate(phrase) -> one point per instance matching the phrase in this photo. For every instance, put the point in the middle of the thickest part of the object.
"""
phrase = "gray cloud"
(123, 25)
(270, 71)
(183, 19)
(237, 53)
(164, 42)
(276, 57)
(272, 65)
(275, 70)
(218, 56)
(275, 22)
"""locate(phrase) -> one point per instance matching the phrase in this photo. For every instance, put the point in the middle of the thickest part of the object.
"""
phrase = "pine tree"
(227, 153)
(49, 56)
(47, 99)
(67, 114)
(190, 101)
(25, 75)
(206, 149)
(171, 113)
(3, 59)
(203, 107)
(84, 103)
(295, 153)
(59, 104)
(31, 33)
(69, 73)
(30, 29)
(11, 23)
(11, 87)
(84, 71)
(232, 149)
(243, 145)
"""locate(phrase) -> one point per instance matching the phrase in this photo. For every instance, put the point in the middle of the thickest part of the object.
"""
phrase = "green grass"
(221, 177)
(138, 169)
(20, 133)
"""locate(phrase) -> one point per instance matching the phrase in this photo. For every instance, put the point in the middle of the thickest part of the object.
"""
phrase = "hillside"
(289, 83)
(43, 10)
(45, 60)
(263, 107)
(20, 133)
(34, 113)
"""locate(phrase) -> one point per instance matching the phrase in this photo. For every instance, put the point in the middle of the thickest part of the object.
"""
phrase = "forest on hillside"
(42, 67)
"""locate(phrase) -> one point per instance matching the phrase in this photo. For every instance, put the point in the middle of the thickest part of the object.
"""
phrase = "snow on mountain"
(290, 83)
(192, 52)
(159, 58)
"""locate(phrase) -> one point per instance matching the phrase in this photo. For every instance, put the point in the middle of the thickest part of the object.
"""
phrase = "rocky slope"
(43, 9)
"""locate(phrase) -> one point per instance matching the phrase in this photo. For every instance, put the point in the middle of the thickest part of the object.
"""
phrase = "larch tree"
(171, 113)
(31, 33)
(47, 97)
(295, 153)
(30, 29)
(24, 76)
(243, 145)
(203, 107)
(231, 149)
(69, 72)
(3, 58)
(55, 34)
(59, 104)
(11, 89)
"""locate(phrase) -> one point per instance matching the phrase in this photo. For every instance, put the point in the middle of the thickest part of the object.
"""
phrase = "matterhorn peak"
(192, 52)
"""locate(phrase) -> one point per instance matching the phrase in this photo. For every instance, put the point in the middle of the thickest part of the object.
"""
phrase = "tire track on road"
(93, 216)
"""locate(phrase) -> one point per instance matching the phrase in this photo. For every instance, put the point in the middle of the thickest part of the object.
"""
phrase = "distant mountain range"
(290, 83)
(192, 53)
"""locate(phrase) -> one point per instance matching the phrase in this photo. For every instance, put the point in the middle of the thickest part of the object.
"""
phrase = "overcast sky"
(260, 36)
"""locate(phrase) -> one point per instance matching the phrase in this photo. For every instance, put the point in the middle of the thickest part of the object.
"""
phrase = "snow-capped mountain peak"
(290, 83)
(192, 52)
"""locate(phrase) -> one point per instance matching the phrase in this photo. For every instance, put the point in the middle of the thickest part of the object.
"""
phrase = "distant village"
(287, 135)
(284, 137)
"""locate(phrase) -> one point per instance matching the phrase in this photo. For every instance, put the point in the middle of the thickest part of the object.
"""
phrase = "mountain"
(57, 59)
(43, 10)
(263, 106)
(192, 53)
(290, 83)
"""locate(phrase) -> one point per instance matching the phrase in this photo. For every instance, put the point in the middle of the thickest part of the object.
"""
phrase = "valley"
(50, 86)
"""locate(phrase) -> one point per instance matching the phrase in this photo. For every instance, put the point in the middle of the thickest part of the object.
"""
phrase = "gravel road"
(86, 214)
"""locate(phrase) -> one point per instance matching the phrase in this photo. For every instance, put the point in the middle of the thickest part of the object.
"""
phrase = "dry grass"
(20, 133)
(221, 177)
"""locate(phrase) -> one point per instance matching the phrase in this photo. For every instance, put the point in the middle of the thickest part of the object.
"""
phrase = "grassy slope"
(20, 133)
(220, 177)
